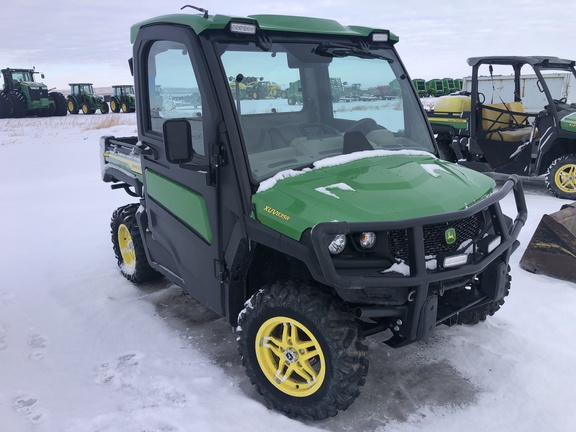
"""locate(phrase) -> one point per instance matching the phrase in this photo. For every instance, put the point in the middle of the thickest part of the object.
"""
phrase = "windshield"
(299, 103)
(498, 85)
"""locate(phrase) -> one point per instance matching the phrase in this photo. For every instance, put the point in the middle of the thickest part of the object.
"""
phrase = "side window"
(173, 90)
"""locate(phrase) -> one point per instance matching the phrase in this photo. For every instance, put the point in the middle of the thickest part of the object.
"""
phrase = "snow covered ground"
(83, 350)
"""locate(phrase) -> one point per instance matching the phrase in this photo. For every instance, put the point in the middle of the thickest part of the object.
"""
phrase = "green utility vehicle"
(82, 97)
(123, 99)
(308, 227)
(517, 121)
(21, 96)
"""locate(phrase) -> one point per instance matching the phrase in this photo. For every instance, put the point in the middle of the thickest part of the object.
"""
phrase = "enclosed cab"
(311, 225)
(82, 97)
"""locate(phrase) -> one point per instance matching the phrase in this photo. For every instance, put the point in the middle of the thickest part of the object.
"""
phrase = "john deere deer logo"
(450, 236)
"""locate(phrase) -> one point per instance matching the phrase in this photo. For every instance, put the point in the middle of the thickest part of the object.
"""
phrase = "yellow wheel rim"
(124, 107)
(70, 106)
(290, 356)
(565, 178)
(85, 109)
(126, 247)
(113, 105)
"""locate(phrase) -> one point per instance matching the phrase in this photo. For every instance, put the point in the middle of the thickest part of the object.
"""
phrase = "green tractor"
(123, 99)
(22, 96)
(294, 93)
(82, 97)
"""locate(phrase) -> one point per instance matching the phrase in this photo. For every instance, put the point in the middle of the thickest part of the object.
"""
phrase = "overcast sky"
(79, 40)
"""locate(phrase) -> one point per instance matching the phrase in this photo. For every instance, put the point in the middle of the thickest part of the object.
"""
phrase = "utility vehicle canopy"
(534, 61)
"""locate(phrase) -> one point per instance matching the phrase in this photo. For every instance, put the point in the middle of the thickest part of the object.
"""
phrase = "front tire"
(59, 103)
(128, 246)
(302, 349)
(561, 177)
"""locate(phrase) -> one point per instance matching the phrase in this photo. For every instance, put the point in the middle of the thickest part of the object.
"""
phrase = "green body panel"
(26, 88)
(130, 164)
(454, 122)
(383, 188)
(568, 123)
(265, 22)
(184, 203)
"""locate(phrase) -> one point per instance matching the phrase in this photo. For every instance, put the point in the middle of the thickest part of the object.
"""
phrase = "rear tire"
(128, 246)
(17, 104)
(4, 105)
(302, 349)
(561, 177)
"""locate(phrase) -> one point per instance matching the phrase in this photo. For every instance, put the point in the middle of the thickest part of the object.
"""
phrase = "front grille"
(434, 237)
(38, 93)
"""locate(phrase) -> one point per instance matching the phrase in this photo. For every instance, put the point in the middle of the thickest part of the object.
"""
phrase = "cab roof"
(531, 60)
(284, 23)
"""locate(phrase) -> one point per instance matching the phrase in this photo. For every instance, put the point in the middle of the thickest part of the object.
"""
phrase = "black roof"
(542, 61)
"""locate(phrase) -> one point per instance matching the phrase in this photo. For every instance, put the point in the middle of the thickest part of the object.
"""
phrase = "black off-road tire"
(131, 258)
(302, 325)
(4, 105)
(86, 109)
(104, 109)
(479, 314)
(72, 106)
(18, 106)
(561, 177)
(60, 104)
(114, 106)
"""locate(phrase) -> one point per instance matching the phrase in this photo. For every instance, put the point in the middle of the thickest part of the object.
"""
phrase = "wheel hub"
(290, 356)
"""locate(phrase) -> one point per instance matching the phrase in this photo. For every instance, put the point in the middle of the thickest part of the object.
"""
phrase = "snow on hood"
(335, 161)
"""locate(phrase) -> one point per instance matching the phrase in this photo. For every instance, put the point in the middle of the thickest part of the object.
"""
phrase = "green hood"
(372, 189)
(568, 123)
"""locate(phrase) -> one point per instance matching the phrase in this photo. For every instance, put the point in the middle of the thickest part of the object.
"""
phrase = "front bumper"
(414, 297)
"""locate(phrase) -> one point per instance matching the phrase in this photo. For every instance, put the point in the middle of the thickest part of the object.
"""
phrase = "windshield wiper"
(337, 50)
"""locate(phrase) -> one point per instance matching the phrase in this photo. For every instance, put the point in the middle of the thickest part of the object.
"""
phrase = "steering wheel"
(561, 100)
(481, 97)
(365, 125)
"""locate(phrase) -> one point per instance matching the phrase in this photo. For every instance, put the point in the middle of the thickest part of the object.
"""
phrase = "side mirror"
(178, 140)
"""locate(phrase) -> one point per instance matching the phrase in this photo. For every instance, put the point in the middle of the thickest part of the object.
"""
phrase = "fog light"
(489, 243)
(367, 240)
(338, 244)
(455, 260)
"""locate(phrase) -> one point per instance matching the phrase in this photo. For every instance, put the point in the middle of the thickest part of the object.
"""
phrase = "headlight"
(337, 244)
(367, 240)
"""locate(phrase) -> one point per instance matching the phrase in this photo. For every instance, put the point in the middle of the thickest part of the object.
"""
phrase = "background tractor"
(82, 97)
(123, 99)
(21, 96)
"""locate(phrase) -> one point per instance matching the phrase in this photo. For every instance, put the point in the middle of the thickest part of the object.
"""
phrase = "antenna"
(197, 8)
